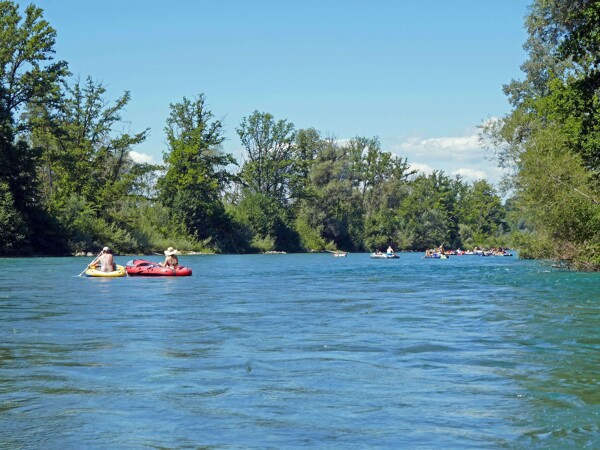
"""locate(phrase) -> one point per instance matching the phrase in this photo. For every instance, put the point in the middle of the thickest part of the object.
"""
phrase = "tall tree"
(86, 169)
(28, 75)
(481, 214)
(269, 155)
(332, 206)
(82, 138)
(551, 137)
(428, 212)
(308, 144)
(196, 167)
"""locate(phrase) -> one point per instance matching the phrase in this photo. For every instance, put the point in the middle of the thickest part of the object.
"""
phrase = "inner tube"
(142, 267)
(120, 272)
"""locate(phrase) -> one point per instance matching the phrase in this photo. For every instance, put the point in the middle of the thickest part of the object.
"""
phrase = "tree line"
(68, 182)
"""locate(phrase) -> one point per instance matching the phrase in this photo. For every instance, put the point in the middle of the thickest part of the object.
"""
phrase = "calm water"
(300, 351)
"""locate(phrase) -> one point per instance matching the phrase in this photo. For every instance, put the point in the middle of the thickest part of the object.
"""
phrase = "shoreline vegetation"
(69, 184)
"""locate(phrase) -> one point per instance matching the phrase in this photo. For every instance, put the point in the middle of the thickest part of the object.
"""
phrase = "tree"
(196, 168)
(271, 177)
(85, 166)
(82, 138)
(27, 73)
(428, 212)
(552, 135)
(370, 167)
(381, 230)
(331, 205)
(558, 199)
(270, 155)
(378, 177)
(268, 222)
(482, 212)
(12, 229)
(307, 145)
(27, 76)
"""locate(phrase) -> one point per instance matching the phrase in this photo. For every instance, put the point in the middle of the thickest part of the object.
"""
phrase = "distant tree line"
(68, 182)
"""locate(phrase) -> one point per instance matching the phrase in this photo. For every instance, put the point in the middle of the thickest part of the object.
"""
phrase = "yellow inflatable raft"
(120, 272)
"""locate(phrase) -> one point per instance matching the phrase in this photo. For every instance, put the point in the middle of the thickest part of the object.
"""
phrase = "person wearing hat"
(105, 259)
(171, 260)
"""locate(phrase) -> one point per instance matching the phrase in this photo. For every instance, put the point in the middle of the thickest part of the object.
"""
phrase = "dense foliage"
(69, 182)
(551, 139)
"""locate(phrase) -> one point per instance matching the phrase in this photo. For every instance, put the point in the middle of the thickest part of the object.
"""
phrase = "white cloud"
(457, 148)
(342, 142)
(424, 168)
(141, 157)
(455, 155)
(470, 174)
(465, 173)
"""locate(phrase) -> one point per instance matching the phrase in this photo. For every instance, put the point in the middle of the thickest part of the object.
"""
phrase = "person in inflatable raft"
(105, 259)
(171, 260)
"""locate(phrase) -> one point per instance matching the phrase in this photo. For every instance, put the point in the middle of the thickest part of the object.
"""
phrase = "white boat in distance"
(340, 254)
(384, 255)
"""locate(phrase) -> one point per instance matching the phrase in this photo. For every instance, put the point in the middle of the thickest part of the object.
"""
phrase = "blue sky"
(419, 75)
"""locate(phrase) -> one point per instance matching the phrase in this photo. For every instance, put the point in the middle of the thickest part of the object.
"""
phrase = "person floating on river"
(171, 260)
(105, 259)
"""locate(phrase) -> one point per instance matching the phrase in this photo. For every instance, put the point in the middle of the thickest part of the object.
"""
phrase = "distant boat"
(436, 256)
(384, 256)
(340, 254)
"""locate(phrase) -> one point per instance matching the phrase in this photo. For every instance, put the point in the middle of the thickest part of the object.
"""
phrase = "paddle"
(86, 267)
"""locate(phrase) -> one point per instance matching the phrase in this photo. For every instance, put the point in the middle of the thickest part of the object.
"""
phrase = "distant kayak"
(141, 267)
(120, 272)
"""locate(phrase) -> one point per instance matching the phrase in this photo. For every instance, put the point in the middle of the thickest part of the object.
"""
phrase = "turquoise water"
(300, 351)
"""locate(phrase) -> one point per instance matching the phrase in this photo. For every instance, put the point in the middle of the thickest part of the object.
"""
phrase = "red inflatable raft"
(151, 269)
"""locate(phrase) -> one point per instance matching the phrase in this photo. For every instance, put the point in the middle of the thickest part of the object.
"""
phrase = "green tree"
(552, 135)
(27, 73)
(83, 153)
(12, 229)
(331, 205)
(370, 167)
(481, 211)
(271, 177)
(268, 222)
(85, 166)
(269, 155)
(28, 76)
(558, 199)
(196, 169)
(307, 145)
(428, 212)
(378, 177)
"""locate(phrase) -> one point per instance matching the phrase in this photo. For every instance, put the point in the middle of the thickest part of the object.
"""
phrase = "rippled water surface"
(300, 351)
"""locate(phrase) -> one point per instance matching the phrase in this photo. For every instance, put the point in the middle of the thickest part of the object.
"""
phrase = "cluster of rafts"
(445, 255)
(141, 267)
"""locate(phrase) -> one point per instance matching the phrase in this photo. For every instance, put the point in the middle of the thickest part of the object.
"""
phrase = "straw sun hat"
(170, 251)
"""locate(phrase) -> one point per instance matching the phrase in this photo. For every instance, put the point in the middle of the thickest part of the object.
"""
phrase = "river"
(300, 351)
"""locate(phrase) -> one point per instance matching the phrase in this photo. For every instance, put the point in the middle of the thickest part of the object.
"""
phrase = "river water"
(300, 351)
